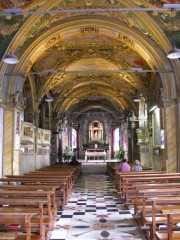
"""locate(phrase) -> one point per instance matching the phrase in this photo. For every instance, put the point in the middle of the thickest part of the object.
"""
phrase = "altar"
(95, 154)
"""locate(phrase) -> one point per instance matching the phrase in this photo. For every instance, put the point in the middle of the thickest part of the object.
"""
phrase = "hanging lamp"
(137, 99)
(49, 99)
(11, 59)
(175, 52)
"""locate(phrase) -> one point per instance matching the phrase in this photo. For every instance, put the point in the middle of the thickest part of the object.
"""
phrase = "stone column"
(171, 136)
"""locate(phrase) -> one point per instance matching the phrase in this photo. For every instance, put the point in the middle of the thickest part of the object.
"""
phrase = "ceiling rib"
(18, 11)
(47, 72)
(100, 96)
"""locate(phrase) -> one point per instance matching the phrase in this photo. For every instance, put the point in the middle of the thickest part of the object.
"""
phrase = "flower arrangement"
(120, 153)
(67, 154)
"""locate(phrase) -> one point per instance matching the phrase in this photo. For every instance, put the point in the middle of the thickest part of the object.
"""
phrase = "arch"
(141, 42)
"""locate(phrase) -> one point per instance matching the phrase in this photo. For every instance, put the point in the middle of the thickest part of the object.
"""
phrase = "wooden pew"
(171, 221)
(55, 188)
(128, 181)
(130, 190)
(8, 235)
(119, 174)
(45, 194)
(30, 202)
(32, 181)
(146, 193)
(111, 169)
(63, 168)
(138, 199)
(22, 217)
(62, 183)
(35, 176)
(132, 181)
(69, 177)
(157, 202)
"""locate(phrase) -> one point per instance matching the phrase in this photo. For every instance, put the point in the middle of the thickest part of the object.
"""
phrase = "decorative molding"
(27, 133)
(142, 135)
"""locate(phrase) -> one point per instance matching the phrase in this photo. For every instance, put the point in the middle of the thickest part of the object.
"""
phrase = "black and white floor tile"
(95, 212)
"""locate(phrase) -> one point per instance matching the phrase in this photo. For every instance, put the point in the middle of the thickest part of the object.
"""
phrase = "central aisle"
(95, 212)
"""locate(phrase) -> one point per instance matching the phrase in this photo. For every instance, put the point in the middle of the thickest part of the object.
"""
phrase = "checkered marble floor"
(95, 212)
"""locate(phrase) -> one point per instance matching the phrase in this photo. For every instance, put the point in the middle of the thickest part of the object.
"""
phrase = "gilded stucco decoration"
(140, 21)
(25, 5)
(74, 44)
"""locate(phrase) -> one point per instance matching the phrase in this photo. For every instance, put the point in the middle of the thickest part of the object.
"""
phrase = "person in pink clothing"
(124, 166)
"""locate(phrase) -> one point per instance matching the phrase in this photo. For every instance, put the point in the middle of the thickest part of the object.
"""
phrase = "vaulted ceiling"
(89, 60)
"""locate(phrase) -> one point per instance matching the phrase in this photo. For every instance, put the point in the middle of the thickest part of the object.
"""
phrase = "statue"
(19, 99)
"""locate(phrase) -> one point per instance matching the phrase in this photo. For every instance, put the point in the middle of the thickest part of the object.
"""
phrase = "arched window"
(116, 139)
(74, 138)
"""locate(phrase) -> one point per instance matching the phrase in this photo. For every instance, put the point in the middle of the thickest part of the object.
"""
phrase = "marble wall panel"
(27, 163)
(42, 161)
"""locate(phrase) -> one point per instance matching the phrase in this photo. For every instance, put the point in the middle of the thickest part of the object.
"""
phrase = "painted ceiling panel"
(92, 41)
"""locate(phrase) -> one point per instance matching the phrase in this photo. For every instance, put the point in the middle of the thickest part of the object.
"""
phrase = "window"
(74, 138)
(116, 139)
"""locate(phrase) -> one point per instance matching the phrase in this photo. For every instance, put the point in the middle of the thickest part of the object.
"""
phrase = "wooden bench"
(63, 180)
(8, 235)
(129, 189)
(15, 236)
(155, 219)
(112, 169)
(132, 182)
(145, 193)
(56, 197)
(68, 177)
(171, 221)
(37, 181)
(138, 199)
(165, 236)
(22, 217)
(63, 168)
(129, 181)
(35, 177)
(37, 203)
(45, 194)
(119, 175)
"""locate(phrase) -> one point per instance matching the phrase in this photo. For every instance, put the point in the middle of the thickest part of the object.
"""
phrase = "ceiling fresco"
(81, 51)
(25, 5)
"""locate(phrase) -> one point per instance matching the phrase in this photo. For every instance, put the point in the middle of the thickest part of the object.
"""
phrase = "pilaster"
(170, 135)
(11, 138)
(178, 131)
(1, 140)
(8, 134)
